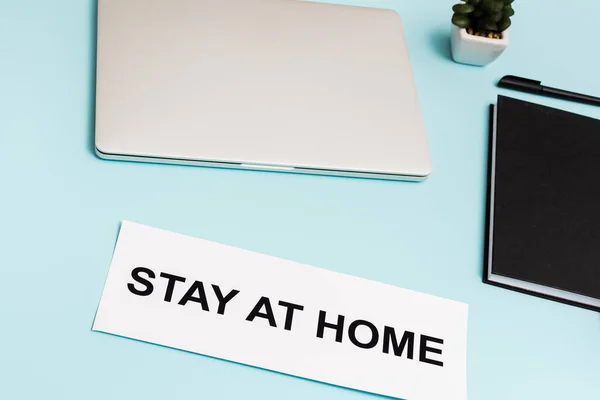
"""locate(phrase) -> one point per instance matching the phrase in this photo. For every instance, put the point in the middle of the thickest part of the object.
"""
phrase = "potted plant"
(480, 30)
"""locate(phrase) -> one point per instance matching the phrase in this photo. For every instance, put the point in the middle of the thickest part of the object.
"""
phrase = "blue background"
(60, 209)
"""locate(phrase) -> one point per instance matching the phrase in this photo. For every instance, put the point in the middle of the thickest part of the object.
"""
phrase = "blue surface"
(61, 206)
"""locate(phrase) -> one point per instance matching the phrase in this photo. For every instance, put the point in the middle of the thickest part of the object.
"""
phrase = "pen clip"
(518, 83)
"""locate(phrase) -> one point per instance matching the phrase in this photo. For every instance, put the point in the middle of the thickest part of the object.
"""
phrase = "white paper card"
(254, 309)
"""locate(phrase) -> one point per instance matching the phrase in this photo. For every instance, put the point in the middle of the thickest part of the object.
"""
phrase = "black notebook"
(543, 225)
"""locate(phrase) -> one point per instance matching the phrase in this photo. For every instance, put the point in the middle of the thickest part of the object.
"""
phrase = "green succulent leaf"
(498, 5)
(504, 24)
(492, 6)
(497, 16)
(490, 26)
(487, 5)
(460, 20)
(507, 2)
(508, 11)
(486, 24)
(463, 8)
(477, 14)
(474, 2)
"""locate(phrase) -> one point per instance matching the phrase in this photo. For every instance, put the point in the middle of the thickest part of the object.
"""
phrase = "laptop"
(280, 85)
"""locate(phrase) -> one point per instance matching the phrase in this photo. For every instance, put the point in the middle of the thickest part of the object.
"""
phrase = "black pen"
(536, 87)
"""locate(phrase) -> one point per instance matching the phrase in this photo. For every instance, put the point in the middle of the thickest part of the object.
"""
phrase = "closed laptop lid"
(270, 82)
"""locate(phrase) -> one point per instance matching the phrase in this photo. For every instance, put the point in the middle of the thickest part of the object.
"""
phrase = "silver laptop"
(282, 85)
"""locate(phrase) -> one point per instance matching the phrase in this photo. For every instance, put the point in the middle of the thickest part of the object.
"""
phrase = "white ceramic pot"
(476, 50)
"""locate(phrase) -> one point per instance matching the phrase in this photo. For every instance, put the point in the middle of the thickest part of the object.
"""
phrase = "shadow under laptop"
(92, 78)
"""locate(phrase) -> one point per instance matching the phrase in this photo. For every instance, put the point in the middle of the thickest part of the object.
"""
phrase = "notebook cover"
(546, 199)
